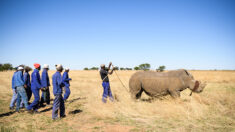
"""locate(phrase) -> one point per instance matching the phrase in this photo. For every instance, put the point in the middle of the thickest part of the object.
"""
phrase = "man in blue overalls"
(35, 87)
(66, 80)
(45, 84)
(27, 82)
(104, 76)
(57, 91)
(20, 88)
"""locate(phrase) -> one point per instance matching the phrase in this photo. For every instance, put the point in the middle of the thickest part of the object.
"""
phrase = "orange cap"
(36, 65)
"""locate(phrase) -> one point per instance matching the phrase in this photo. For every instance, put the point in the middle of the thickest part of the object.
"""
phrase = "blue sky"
(188, 34)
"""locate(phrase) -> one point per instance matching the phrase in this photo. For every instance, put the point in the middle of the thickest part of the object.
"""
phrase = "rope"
(121, 81)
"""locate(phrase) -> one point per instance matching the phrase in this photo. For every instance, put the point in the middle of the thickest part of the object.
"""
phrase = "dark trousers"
(28, 92)
(58, 104)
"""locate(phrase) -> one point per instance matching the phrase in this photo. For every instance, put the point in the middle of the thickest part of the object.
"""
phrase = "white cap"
(102, 65)
(66, 68)
(45, 66)
(59, 66)
(20, 68)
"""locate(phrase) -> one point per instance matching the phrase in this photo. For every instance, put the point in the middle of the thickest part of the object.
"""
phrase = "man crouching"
(57, 91)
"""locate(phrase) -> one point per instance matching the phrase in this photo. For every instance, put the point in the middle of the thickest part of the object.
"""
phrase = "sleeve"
(13, 82)
(60, 81)
(38, 82)
(44, 81)
(48, 80)
(25, 78)
(65, 77)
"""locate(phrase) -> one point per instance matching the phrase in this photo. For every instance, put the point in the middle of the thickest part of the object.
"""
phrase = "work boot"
(104, 100)
(36, 112)
(11, 108)
(63, 116)
(30, 111)
(111, 99)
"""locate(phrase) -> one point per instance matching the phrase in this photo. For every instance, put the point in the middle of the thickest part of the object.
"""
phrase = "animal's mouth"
(199, 91)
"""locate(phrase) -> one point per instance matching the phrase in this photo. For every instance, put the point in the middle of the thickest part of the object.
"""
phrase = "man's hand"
(25, 86)
(110, 63)
(43, 89)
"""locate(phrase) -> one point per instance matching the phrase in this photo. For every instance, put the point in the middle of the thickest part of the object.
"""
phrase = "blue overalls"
(57, 91)
(66, 80)
(35, 87)
(45, 84)
(27, 82)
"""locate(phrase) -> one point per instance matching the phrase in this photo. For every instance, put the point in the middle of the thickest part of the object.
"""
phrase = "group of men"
(23, 88)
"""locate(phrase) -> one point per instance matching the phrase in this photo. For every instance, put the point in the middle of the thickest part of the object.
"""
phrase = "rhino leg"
(136, 94)
(175, 94)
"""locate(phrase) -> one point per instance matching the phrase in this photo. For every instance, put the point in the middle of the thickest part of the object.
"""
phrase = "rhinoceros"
(157, 84)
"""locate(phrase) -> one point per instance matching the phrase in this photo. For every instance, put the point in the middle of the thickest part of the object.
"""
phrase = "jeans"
(14, 98)
(45, 96)
(67, 92)
(58, 104)
(35, 103)
(21, 96)
(107, 92)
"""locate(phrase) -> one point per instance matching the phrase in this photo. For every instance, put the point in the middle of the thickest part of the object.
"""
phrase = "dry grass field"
(211, 110)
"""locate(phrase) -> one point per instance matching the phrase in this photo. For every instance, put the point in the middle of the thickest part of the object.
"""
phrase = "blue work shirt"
(57, 83)
(13, 81)
(27, 79)
(35, 80)
(18, 79)
(66, 79)
(45, 79)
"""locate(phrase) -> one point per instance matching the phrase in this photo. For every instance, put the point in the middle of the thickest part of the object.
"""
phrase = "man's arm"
(38, 80)
(48, 80)
(65, 77)
(111, 72)
(13, 82)
(110, 64)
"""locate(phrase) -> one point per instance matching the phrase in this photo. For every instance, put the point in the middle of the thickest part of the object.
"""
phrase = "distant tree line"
(144, 66)
(93, 68)
(6, 66)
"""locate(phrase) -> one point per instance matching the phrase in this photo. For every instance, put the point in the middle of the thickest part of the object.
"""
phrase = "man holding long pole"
(106, 86)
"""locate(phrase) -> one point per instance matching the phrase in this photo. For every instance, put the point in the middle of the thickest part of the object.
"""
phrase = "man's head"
(102, 66)
(66, 69)
(59, 67)
(37, 66)
(46, 67)
(20, 68)
(27, 69)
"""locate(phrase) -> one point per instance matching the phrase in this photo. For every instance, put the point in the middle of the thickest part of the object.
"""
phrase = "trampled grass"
(211, 110)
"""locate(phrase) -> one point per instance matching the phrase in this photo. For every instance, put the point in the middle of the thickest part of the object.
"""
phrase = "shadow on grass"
(47, 109)
(75, 111)
(73, 100)
(7, 114)
(69, 102)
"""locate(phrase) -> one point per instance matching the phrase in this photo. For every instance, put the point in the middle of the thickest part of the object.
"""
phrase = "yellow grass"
(212, 110)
